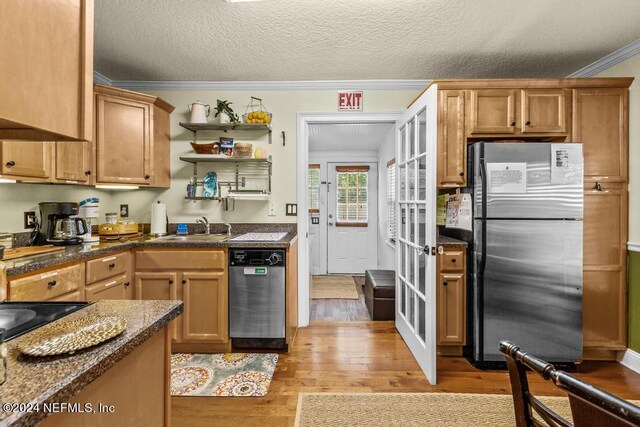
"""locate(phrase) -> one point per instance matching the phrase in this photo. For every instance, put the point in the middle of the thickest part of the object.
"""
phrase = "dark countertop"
(79, 253)
(450, 242)
(57, 379)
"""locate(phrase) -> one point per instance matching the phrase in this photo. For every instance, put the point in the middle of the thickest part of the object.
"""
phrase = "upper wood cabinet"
(73, 162)
(46, 71)
(492, 111)
(544, 111)
(131, 138)
(452, 145)
(26, 159)
(600, 123)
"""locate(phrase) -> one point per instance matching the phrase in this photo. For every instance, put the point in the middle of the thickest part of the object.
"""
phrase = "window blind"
(391, 200)
(352, 204)
(314, 188)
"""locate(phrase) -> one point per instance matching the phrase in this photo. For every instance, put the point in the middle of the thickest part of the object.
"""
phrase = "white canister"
(199, 112)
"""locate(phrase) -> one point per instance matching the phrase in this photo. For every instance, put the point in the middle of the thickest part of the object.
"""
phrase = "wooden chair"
(590, 405)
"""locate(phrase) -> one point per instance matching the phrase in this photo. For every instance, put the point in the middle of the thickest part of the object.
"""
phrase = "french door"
(416, 217)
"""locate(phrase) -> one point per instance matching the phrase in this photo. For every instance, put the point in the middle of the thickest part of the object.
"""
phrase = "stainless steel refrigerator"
(526, 267)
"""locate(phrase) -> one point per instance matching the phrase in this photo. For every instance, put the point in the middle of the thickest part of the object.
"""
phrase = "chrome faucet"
(207, 227)
(228, 229)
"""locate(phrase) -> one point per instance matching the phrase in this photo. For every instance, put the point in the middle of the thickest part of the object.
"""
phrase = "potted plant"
(224, 112)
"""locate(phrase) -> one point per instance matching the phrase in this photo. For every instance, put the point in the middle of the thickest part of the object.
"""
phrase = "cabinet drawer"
(181, 260)
(116, 288)
(452, 260)
(103, 268)
(71, 296)
(45, 286)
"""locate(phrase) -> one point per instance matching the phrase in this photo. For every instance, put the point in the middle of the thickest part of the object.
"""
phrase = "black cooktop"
(18, 318)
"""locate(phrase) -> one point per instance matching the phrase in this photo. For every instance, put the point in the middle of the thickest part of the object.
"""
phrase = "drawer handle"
(453, 260)
(171, 282)
(112, 266)
(445, 283)
(126, 284)
(513, 123)
(528, 122)
(52, 283)
(11, 164)
(184, 282)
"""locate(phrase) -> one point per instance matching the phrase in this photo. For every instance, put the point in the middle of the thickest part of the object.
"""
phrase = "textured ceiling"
(348, 137)
(356, 39)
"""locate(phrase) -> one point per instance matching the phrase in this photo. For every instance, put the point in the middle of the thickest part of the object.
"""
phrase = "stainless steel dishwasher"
(256, 293)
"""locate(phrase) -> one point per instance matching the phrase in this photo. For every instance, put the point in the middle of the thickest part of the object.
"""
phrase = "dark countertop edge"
(46, 263)
(451, 242)
(67, 390)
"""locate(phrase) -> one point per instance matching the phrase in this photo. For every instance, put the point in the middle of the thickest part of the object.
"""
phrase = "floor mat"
(227, 374)
(333, 287)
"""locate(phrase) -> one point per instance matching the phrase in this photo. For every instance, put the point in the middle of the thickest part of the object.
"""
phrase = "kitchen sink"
(195, 238)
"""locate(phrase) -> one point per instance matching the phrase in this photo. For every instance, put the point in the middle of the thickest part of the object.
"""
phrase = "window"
(391, 200)
(314, 188)
(352, 207)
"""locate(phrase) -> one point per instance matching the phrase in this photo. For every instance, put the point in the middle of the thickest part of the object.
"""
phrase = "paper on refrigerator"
(566, 164)
(459, 211)
(506, 178)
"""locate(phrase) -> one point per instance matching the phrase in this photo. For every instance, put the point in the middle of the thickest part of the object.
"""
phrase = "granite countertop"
(79, 253)
(57, 379)
(450, 242)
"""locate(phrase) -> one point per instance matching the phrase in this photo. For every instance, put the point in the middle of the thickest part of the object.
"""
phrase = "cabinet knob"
(445, 283)
(87, 173)
(52, 283)
(513, 123)
(461, 174)
(112, 266)
(171, 282)
(528, 122)
(147, 176)
(453, 260)
(126, 284)
(184, 282)
(11, 163)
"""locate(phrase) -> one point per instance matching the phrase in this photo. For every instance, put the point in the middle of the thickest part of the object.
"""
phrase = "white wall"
(283, 104)
(631, 68)
(386, 250)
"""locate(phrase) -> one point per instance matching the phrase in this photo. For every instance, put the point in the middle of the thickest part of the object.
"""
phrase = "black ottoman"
(380, 294)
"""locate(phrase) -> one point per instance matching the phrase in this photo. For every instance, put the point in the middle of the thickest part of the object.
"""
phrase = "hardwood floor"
(367, 357)
(341, 310)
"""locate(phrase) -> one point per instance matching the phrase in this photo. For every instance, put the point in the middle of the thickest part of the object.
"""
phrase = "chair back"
(590, 405)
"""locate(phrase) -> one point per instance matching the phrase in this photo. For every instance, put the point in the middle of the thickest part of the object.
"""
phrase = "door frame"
(302, 146)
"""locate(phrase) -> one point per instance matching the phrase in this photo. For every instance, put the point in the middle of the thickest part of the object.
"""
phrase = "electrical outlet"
(124, 211)
(272, 209)
(30, 220)
(315, 220)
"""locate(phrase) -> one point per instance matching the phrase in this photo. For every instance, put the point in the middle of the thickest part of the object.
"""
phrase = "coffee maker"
(59, 224)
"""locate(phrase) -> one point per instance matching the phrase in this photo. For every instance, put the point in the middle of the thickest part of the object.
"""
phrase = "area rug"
(333, 287)
(413, 409)
(228, 374)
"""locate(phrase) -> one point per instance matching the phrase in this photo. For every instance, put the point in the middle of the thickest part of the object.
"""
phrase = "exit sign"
(349, 101)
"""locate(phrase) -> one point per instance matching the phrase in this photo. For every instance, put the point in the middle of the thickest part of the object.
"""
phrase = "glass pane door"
(415, 281)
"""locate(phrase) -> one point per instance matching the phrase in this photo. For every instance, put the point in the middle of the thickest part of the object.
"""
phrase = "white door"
(352, 218)
(416, 219)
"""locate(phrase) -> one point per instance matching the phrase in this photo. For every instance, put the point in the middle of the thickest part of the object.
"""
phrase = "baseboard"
(631, 359)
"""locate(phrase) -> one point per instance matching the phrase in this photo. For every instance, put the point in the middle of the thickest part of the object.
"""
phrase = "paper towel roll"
(159, 218)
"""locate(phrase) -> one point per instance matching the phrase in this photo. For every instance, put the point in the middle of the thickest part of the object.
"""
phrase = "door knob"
(528, 122)
(445, 283)
(330, 224)
(184, 282)
(11, 164)
(513, 123)
(171, 282)
(330, 216)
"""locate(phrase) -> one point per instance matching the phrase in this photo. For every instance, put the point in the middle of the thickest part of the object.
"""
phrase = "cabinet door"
(110, 289)
(492, 111)
(544, 111)
(604, 281)
(205, 316)
(123, 140)
(26, 158)
(46, 69)
(73, 160)
(600, 123)
(452, 145)
(451, 309)
(159, 286)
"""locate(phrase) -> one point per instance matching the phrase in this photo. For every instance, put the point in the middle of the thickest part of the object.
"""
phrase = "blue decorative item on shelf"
(210, 184)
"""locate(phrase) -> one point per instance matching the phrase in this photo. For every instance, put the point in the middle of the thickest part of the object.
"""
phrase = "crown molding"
(608, 61)
(264, 85)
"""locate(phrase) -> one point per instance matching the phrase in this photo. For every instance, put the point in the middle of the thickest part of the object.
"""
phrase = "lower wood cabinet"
(451, 301)
(203, 289)
(48, 285)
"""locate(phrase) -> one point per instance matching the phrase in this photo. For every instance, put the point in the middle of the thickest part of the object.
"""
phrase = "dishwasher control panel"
(257, 257)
